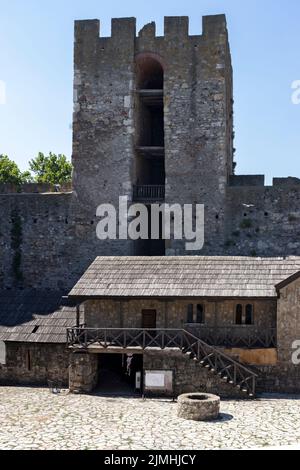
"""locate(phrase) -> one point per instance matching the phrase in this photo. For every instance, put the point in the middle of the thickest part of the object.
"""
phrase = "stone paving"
(33, 418)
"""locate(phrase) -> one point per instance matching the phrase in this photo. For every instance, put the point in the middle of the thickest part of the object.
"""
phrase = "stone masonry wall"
(189, 376)
(288, 321)
(173, 314)
(197, 84)
(46, 241)
(282, 378)
(83, 372)
(35, 364)
(34, 188)
(263, 221)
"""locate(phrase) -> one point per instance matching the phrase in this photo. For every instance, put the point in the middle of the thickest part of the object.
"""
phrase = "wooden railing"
(149, 192)
(207, 356)
(249, 336)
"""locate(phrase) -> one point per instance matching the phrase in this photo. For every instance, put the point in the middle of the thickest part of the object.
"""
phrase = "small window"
(28, 360)
(190, 313)
(200, 314)
(249, 315)
(239, 315)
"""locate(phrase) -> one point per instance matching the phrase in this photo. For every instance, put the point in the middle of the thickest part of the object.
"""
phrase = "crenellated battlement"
(86, 30)
(175, 27)
(125, 41)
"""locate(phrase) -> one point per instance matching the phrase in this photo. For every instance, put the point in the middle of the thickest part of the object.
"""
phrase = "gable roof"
(34, 316)
(182, 276)
(287, 281)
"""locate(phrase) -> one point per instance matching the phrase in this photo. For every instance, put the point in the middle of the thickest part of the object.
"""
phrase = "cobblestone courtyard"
(36, 419)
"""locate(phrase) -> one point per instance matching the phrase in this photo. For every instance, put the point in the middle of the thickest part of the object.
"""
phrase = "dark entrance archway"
(117, 373)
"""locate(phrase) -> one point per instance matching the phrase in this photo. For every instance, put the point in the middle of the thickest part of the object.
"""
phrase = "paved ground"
(36, 419)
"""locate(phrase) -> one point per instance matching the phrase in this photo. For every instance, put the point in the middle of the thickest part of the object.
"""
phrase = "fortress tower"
(153, 120)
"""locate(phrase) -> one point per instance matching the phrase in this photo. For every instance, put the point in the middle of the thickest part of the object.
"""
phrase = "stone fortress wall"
(48, 235)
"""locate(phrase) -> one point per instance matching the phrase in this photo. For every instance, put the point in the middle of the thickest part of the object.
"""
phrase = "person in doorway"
(129, 364)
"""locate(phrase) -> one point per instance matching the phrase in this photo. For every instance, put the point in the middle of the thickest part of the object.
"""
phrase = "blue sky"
(36, 47)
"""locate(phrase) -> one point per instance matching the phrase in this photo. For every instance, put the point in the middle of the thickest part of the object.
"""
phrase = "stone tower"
(153, 121)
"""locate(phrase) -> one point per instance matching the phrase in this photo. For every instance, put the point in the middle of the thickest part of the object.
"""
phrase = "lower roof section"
(34, 316)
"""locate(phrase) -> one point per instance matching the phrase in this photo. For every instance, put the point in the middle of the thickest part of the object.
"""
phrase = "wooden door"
(149, 319)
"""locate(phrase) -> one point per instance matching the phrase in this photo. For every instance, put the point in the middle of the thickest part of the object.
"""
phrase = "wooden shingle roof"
(182, 276)
(34, 316)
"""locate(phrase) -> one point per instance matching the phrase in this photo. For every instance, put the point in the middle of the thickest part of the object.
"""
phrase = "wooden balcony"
(152, 97)
(148, 193)
(127, 340)
(236, 336)
(150, 151)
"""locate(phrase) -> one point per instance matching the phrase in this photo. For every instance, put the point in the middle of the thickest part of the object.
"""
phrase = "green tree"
(54, 169)
(10, 172)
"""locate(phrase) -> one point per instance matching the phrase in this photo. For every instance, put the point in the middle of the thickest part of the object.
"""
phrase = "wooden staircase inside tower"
(207, 356)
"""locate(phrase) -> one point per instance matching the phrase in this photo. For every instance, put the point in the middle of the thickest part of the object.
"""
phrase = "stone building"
(153, 121)
(224, 324)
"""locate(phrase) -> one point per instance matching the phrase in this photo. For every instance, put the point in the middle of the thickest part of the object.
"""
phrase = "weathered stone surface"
(37, 419)
(262, 221)
(35, 364)
(83, 372)
(288, 320)
(198, 406)
(189, 376)
(173, 313)
(282, 378)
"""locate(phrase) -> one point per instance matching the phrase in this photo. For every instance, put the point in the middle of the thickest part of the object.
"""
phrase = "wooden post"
(77, 315)
(121, 317)
(166, 314)
(216, 321)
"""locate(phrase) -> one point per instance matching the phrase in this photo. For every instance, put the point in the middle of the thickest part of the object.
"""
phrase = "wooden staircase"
(218, 363)
(209, 357)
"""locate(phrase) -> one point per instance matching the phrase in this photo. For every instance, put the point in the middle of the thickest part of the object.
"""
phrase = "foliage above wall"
(10, 172)
(53, 169)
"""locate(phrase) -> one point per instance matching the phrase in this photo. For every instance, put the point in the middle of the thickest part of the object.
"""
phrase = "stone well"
(198, 406)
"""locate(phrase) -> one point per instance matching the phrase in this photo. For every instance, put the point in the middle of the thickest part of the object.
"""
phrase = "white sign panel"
(155, 380)
(159, 380)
